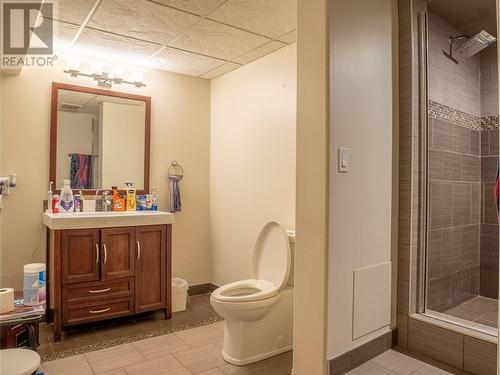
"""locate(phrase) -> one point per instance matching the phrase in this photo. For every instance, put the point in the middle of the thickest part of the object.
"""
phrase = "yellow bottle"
(131, 201)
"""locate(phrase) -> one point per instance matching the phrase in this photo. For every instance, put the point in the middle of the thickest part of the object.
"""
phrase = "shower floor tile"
(478, 309)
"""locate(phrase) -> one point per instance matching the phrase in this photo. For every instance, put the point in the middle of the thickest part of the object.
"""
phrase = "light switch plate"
(343, 160)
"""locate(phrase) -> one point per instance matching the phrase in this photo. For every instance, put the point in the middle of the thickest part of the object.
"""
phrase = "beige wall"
(360, 200)
(311, 247)
(252, 158)
(180, 131)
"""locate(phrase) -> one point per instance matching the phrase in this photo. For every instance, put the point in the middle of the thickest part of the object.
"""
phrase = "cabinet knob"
(96, 253)
(138, 250)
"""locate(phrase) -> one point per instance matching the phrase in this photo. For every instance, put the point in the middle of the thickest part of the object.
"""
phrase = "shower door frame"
(417, 331)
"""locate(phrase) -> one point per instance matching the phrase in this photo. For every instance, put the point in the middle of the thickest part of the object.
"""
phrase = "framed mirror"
(99, 138)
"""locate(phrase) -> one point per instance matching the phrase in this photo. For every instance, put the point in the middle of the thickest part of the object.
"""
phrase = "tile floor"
(198, 351)
(394, 362)
(90, 337)
(192, 351)
(182, 352)
(479, 309)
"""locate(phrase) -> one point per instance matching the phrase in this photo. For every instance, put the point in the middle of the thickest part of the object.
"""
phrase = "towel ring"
(175, 165)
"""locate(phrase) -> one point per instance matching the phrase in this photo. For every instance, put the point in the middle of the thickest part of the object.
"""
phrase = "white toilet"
(259, 312)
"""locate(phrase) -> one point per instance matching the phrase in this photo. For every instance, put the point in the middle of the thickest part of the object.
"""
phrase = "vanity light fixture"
(105, 79)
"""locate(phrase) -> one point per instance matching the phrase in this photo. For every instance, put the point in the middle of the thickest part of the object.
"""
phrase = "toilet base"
(247, 342)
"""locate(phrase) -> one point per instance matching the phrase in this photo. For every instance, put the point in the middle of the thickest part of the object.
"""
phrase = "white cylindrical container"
(34, 284)
(6, 300)
(179, 294)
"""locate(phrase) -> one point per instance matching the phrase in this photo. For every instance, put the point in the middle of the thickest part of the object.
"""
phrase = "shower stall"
(461, 225)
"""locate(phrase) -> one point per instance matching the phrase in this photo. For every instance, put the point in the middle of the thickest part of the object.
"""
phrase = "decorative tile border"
(446, 113)
(489, 123)
(128, 339)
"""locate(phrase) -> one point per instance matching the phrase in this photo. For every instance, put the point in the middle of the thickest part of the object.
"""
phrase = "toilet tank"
(291, 237)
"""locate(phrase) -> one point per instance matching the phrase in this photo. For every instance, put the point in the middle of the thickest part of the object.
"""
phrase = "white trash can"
(179, 294)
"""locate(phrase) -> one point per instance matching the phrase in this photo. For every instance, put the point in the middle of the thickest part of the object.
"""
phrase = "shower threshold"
(478, 314)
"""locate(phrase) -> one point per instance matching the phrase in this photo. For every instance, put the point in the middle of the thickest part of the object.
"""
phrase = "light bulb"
(137, 77)
(96, 69)
(74, 64)
(117, 73)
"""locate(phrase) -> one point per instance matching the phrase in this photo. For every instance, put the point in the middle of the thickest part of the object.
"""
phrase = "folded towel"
(175, 193)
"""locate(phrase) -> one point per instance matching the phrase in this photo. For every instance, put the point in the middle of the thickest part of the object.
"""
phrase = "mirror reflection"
(100, 141)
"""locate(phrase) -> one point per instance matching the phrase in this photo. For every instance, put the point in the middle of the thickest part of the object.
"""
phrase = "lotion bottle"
(66, 203)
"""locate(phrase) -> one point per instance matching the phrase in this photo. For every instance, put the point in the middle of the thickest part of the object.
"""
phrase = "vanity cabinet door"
(118, 252)
(80, 255)
(151, 267)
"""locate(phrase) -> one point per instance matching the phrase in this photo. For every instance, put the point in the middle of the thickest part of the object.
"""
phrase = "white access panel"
(372, 299)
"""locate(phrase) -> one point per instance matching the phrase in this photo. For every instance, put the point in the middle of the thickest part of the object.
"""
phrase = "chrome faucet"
(105, 202)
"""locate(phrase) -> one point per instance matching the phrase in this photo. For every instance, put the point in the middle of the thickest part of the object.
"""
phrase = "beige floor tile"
(113, 358)
(201, 358)
(160, 346)
(75, 365)
(219, 325)
(118, 371)
(201, 336)
(214, 371)
(431, 370)
(397, 362)
(159, 366)
(369, 368)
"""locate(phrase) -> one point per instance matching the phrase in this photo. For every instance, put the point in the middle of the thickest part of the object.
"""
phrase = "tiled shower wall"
(489, 157)
(454, 215)
(463, 148)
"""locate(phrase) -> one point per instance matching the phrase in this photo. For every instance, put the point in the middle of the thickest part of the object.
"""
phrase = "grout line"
(84, 23)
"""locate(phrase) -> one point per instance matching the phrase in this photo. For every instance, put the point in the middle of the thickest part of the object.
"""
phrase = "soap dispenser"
(66, 203)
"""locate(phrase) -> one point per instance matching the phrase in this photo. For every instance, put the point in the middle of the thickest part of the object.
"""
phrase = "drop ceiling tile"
(259, 52)
(271, 18)
(223, 69)
(115, 47)
(289, 38)
(200, 7)
(217, 40)
(141, 19)
(183, 62)
(74, 11)
(64, 35)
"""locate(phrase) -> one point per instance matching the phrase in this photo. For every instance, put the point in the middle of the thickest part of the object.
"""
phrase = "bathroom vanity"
(107, 265)
(103, 265)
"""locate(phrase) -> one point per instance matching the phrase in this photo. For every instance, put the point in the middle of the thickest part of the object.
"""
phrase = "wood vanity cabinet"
(99, 274)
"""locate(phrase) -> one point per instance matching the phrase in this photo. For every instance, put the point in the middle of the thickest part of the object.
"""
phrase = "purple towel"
(81, 171)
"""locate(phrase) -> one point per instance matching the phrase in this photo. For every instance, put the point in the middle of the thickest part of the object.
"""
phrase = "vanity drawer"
(92, 312)
(101, 290)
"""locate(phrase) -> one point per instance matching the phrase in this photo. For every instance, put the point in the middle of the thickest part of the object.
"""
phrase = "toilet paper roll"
(6, 300)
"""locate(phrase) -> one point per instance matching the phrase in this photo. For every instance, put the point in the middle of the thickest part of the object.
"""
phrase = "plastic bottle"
(118, 201)
(66, 203)
(131, 201)
(55, 204)
(154, 200)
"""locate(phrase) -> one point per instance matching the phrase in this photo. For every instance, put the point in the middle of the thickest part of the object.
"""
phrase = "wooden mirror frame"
(56, 86)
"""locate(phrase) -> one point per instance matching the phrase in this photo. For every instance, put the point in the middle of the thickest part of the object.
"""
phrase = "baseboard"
(355, 357)
(201, 289)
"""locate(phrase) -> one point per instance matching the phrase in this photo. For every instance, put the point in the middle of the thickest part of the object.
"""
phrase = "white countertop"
(86, 220)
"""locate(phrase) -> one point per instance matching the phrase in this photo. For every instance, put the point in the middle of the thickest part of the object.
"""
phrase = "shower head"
(471, 47)
(476, 44)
